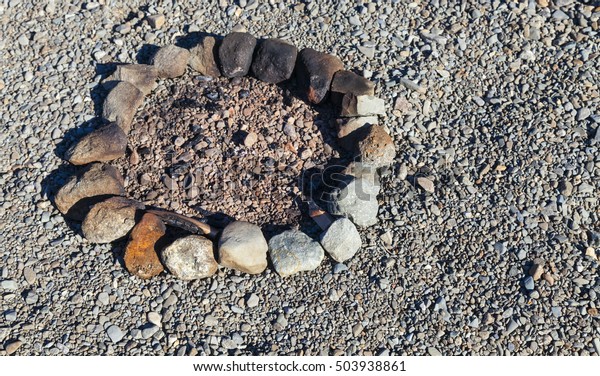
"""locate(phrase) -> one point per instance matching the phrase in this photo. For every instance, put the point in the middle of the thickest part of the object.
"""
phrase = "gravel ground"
(497, 102)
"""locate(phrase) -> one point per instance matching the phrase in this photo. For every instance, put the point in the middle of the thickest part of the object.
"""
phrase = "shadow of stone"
(146, 53)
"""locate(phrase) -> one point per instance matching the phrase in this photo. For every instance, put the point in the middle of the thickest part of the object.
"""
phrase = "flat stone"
(361, 105)
(202, 57)
(250, 139)
(433, 351)
(9, 284)
(171, 61)
(156, 21)
(293, 251)
(315, 71)
(155, 318)
(347, 82)
(142, 76)
(102, 145)
(121, 104)
(252, 301)
(341, 240)
(114, 333)
(95, 183)
(528, 283)
(235, 54)
(191, 257)
(356, 199)
(274, 61)
(426, 184)
(11, 347)
(377, 147)
(354, 129)
(141, 257)
(536, 271)
(110, 219)
(243, 247)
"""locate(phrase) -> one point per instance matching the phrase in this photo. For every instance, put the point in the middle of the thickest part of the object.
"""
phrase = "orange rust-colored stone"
(141, 257)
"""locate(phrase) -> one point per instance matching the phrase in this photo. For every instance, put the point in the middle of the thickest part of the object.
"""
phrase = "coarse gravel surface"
(493, 106)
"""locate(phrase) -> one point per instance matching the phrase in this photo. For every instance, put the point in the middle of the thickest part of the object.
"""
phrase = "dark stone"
(102, 145)
(235, 54)
(274, 61)
(315, 72)
(349, 82)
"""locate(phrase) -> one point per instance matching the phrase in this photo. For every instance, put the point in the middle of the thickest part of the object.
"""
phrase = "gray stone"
(121, 104)
(357, 200)
(235, 54)
(529, 283)
(315, 71)
(293, 251)
(191, 257)
(252, 301)
(243, 247)
(171, 61)
(111, 219)
(10, 315)
(274, 61)
(433, 351)
(155, 318)
(203, 57)
(93, 184)
(102, 145)
(9, 284)
(142, 76)
(341, 240)
(115, 333)
(426, 184)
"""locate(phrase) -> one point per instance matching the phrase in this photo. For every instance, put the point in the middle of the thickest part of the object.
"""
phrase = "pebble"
(426, 184)
(528, 283)
(156, 21)
(11, 347)
(252, 301)
(536, 272)
(155, 318)
(9, 285)
(114, 333)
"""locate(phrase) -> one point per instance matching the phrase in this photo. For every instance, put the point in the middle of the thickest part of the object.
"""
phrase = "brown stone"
(536, 271)
(202, 57)
(171, 61)
(315, 72)
(352, 130)
(95, 183)
(111, 219)
(141, 255)
(102, 145)
(121, 104)
(377, 148)
(142, 76)
(345, 82)
(156, 21)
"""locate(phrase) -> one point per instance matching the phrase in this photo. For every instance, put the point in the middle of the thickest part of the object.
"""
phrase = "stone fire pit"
(96, 194)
